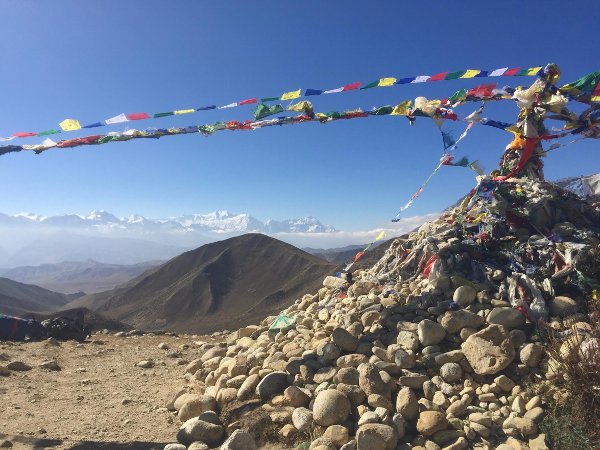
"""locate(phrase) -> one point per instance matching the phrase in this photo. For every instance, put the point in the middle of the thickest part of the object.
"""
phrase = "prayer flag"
(93, 125)
(206, 108)
(405, 80)
(231, 105)
(511, 72)
(455, 75)
(533, 71)
(421, 79)
(291, 95)
(263, 110)
(179, 112)
(248, 101)
(403, 109)
(269, 99)
(304, 106)
(385, 82)
(351, 86)
(334, 91)
(163, 114)
(458, 96)
(24, 134)
(586, 84)
(471, 73)
(498, 72)
(49, 132)
(312, 92)
(117, 119)
(358, 256)
(380, 236)
(371, 85)
(70, 125)
(438, 77)
(138, 116)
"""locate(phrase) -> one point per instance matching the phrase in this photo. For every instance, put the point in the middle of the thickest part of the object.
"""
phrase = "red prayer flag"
(351, 86)
(138, 116)
(485, 90)
(358, 256)
(510, 72)
(248, 101)
(438, 77)
(23, 134)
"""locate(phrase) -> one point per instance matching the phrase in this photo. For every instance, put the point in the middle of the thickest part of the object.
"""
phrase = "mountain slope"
(19, 298)
(220, 285)
(76, 276)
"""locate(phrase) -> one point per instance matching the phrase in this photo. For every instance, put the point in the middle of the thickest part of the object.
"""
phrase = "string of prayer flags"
(587, 86)
(360, 254)
(381, 82)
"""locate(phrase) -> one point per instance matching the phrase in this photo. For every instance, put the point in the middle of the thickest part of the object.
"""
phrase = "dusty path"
(99, 398)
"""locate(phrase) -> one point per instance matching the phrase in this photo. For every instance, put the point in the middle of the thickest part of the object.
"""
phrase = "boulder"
(451, 372)
(370, 380)
(531, 354)
(239, 440)
(331, 407)
(509, 318)
(562, 306)
(430, 333)
(376, 436)
(302, 418)
(464, 295)
(407, 403)
(273, 383)
(454, 321)
(196, 406)
(430, 422)
(344, 340)
(489, 351)
(198, 430)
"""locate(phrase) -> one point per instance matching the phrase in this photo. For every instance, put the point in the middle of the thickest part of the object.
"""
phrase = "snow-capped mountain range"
(221, 222)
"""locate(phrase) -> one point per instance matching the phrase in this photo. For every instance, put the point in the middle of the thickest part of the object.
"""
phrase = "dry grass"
(573, 391)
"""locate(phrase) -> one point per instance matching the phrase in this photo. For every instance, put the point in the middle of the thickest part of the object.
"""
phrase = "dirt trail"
(99, 398)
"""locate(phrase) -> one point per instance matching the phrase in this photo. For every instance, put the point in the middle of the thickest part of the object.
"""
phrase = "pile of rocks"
(428, 349)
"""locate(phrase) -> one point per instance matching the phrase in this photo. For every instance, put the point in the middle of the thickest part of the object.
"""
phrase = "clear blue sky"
(91, 60)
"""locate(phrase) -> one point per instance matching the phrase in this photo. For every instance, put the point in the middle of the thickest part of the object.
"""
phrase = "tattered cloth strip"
(72, 124)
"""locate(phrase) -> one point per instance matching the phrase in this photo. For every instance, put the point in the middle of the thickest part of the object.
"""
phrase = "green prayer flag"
(522, 73)
(371, 85)
(263, 110)
(165, 114)
(335, 115)
(458, 96)
(584, 84)
(455, 75)
(48, 132)
(269, 99)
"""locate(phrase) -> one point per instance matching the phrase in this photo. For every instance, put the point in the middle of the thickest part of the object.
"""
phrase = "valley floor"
(99, 399)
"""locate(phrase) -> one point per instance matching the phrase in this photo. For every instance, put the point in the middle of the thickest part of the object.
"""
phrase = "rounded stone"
(430, 422)
(509, 318)
(531, 354)
(562, 306)
(198, 430)
(407, 403)
(302, 418)
(344, 340)
(451, 372)
(273, 383)
(464, 295)
(331, 407)
(376, 436)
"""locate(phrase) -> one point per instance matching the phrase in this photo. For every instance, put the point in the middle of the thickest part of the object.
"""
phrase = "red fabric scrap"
(138, 116)
(484, 90)
(23, 134)
(87, 140)
(429, 265)
(355, 114)
(248, 101)
(358, 256)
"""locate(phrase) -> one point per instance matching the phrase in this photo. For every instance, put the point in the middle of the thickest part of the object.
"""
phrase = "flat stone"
(509, 318)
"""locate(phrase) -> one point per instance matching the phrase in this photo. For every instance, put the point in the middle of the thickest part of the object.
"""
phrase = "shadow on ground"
(35, 443)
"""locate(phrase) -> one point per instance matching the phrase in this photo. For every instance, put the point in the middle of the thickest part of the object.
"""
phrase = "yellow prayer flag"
(480, 217)
(300, 106)
(402, 109)
(70, 125)
(184, 111)
(384, 82)
(533, 71)
(380, 236)
(291, 95)
(470, 73)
